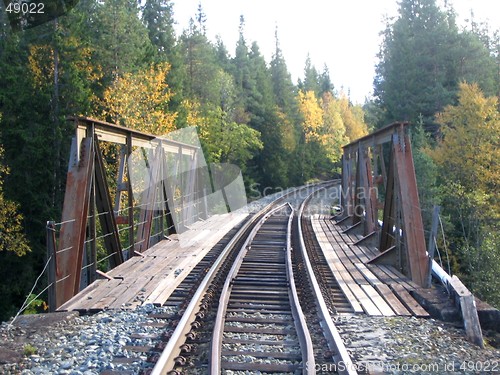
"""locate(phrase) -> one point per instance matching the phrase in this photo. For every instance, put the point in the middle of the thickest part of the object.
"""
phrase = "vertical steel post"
(431, 245)
(51, 270)
(130, 196)
(74, 221)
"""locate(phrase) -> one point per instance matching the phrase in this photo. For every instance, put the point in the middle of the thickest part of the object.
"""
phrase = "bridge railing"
(106, 218)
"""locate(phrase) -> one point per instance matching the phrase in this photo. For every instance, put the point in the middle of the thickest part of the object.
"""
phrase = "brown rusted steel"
(105, 210)
(69, 255)
(402, 228)
(87, 192)
(148, 198)
(412, 225)
(51, 271)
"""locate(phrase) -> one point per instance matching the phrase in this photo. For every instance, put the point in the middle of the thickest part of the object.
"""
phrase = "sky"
(344, 35)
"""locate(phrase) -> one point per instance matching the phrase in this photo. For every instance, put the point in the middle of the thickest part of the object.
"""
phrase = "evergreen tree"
(414, 76)
(422, 60)
(121, 40)
(311, 79)
(157, 15)
(199, 64)
(287, 110)
(325, 82)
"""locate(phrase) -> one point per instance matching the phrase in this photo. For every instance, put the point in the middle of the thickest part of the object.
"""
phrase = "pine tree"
(121, 40)
(311, 80)
(422, 60)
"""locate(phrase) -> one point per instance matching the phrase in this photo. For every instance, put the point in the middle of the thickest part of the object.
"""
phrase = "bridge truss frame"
(88, 198)
(370, 183)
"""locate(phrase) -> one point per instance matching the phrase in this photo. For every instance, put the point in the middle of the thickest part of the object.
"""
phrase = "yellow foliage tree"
(352, 116)
(140, 101)
(226, 141)
(333, 134)
(470, 148)
(468, 155)
(312, 115)
(469, 151)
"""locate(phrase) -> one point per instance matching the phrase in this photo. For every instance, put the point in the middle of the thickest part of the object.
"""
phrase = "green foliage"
(34, 305)
(426, 172)
(29, 350)
(416, 75)
(12, 237)
(467, 157)
(420, 81)
(117, 60)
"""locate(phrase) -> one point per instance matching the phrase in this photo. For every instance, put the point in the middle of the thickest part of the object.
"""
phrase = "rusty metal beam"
(69, 255)
(105, 209)
(148, 203)
(412, 225)
(107, 132)
(402, 228)
(389, 215)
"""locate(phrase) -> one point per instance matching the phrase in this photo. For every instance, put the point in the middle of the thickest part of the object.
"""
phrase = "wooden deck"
(377, 290)
(153, 276)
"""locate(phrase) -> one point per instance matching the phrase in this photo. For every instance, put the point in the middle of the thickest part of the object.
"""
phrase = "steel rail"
(166, 361)
(342, 359)
(306, 345)
(218, 332)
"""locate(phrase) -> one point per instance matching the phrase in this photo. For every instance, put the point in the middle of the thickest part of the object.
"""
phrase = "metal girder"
(412, 225)
(88, 194)
(69, 255)
(105, 210)
(148, 198)
(106, 132)
(401, 237)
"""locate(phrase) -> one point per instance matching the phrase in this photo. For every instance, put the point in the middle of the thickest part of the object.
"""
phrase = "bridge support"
(91, 222)
(370, 184)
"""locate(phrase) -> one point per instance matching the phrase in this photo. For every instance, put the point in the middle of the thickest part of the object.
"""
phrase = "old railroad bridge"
(264, 281)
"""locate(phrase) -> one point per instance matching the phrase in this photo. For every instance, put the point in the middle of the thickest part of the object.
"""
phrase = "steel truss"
(88, 198)
(378, 174)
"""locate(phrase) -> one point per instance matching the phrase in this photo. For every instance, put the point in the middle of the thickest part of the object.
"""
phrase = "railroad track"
(260, 324)
(327, 298)
(260, 327)
(184, 337)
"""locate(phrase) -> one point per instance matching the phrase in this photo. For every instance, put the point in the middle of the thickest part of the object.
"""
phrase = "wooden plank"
(399, 277)
(410, 303)
(341, 239)
(384, 308)
(334, 264)
(388, 276)
(368, 306)
(372, 279)
(101, 292)
(124, 268)
(333, 257)
(469, 312)
(260, 367)
(343, 253)
(75, 300)
(392, 300)
(128, 294)
(381, 275)
(368, 252)
(163, 291)
(384, 291)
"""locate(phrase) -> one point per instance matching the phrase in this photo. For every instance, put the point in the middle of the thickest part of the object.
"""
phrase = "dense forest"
(122, 62)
